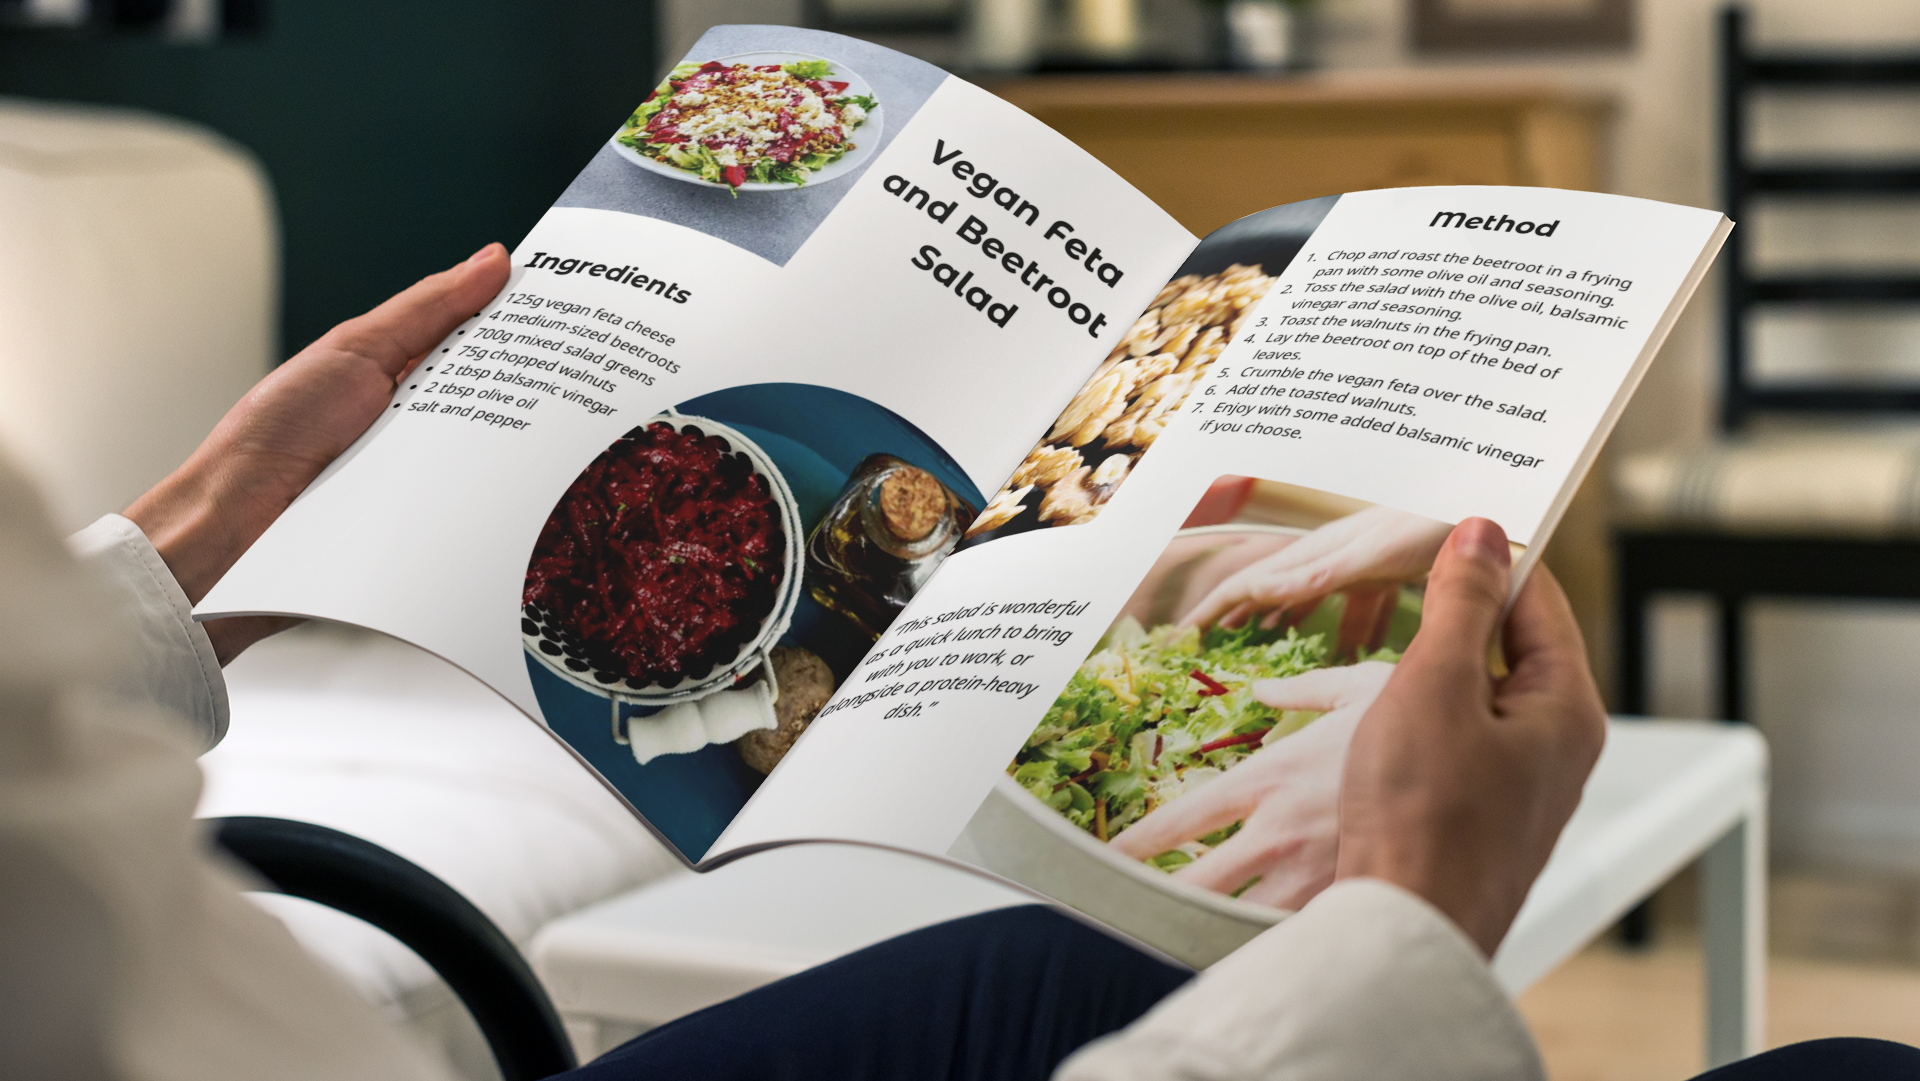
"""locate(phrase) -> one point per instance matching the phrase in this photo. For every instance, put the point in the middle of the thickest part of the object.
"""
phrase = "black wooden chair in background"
(1827, 504)
(1829, 514)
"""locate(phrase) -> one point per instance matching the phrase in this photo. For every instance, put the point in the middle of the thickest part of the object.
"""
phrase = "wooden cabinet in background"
(1213, 148)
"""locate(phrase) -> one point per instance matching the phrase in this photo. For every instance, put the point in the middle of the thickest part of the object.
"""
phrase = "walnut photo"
(1120, 411)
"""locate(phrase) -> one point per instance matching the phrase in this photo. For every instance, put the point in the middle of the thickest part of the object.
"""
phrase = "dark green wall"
(400, 135)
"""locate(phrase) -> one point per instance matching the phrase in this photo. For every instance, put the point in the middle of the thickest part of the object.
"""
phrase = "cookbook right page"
(1198, 578)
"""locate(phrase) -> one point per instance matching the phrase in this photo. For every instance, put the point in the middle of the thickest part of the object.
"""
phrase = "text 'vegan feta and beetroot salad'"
(735, 124)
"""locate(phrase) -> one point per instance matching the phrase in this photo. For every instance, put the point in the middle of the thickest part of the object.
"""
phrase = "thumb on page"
(412, 322)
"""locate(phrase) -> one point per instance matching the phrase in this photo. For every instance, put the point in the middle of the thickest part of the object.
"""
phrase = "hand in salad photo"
(1286, 797)
(737, 124)
(1153, 715)
(1378, 546)
(1206, 732)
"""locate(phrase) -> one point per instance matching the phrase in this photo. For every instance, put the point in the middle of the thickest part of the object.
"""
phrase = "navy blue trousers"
(1839, 1059)
(1007, 996)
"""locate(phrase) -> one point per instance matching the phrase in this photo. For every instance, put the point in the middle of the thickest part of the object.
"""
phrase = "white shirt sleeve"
(169, 658)
(1366, 982)
(129, 955)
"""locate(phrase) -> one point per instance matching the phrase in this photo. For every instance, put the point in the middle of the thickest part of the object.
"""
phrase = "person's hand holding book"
(1457, 783)
(292, 425)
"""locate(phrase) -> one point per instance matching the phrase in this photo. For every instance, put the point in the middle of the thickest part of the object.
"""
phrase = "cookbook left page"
(744, 390)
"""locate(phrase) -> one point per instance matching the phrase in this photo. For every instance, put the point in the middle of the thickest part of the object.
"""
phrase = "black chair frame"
(1733, 570)
(431, 918)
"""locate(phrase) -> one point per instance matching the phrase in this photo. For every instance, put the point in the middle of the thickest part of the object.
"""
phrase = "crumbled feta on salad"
(735, 124)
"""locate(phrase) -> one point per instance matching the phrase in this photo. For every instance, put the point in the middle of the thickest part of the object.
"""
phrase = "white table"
(1663, 794)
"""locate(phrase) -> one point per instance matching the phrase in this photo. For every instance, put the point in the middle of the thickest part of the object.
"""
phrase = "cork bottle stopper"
(912, 502)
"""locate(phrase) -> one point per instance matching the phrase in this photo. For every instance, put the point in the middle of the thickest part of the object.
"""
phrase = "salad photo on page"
(756, 136)
(762, 121)
(1204, 733)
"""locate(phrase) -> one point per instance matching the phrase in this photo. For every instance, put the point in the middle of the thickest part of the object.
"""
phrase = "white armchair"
(137, 300)
(137, 303)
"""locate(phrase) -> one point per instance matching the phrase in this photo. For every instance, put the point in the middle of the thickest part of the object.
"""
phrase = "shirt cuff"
(1367, 981)
(170, 658)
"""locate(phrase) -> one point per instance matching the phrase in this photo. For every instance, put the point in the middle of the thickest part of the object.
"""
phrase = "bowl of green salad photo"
(1159, 711)
(765, 121)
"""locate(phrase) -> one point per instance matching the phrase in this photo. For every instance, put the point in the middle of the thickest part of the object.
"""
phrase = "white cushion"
(137, 296)
(370, 736)
(1849, 484)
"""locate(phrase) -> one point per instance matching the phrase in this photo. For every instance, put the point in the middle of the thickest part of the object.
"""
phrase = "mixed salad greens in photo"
(1155, 713)
(735, 124)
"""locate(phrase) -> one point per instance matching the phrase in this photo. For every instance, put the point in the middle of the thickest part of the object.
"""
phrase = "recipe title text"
(999, 298)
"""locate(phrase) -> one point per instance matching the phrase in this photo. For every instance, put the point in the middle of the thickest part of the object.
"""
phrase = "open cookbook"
(851, 457)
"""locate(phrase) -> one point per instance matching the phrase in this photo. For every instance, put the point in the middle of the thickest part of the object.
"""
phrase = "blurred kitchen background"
(397, 137)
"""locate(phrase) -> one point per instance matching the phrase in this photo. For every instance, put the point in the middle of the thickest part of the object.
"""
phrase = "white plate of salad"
(766, 121)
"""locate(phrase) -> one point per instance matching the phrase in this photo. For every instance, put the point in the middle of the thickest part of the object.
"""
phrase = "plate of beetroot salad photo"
(667, 568)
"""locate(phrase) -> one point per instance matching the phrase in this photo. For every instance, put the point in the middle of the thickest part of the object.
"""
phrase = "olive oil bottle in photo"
(881, 539)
